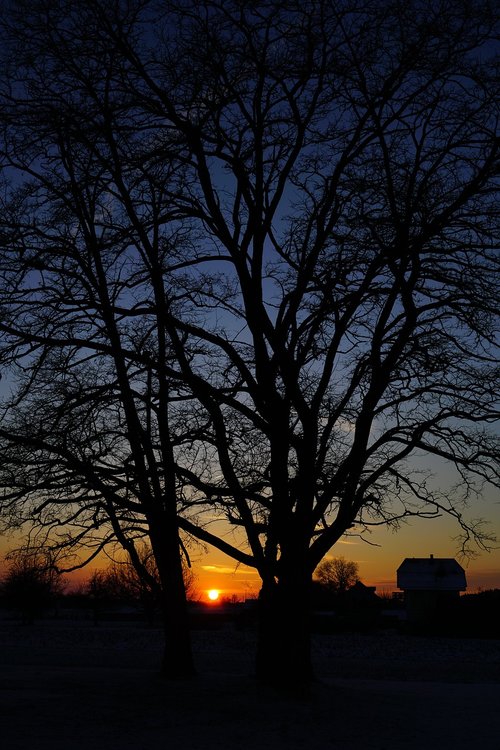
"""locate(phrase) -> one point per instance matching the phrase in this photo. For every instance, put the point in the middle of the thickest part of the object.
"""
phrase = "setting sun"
(213, 594)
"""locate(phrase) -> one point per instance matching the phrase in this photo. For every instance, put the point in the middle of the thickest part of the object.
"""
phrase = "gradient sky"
(377, 564)
(377, 561)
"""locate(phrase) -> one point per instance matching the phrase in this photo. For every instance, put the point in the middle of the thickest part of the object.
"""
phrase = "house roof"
(431, 574)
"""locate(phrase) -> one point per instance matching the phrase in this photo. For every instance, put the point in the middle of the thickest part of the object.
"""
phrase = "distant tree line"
(31, 586)
(30, 589)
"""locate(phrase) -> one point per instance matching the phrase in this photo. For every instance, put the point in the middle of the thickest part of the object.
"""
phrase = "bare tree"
(87, 444)
(279, 225)
(122, 581)
(127, 582)
(337, 574)
(30, 585)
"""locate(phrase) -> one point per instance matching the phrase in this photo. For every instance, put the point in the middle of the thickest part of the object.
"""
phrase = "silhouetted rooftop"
(431, 574)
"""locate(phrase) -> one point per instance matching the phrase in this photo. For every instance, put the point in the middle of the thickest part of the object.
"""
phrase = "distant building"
(431, 585)
(358, 593)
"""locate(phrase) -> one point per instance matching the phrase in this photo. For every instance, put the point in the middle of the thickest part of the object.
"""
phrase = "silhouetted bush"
(30, 586)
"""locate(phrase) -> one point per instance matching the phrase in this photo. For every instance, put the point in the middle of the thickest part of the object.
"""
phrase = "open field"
(72, 685)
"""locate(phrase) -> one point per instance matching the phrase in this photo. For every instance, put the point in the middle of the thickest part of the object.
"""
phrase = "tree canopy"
(249, 271)
(337, 574)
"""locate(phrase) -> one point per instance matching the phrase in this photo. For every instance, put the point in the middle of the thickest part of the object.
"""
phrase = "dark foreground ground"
(80, 687)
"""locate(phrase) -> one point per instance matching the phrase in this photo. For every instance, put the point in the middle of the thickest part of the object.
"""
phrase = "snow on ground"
(75, 686)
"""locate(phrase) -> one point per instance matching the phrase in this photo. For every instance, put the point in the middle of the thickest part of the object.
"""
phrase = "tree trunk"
(177, 660)
(284, 637)
(177, 655)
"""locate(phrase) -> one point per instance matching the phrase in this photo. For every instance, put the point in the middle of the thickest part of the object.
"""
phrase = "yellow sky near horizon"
(377, 561)
(377, 565)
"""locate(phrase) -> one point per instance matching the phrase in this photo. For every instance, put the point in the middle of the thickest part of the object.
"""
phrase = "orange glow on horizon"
(378, 561)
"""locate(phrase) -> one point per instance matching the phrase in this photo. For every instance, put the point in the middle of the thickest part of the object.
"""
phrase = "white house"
(431, 585)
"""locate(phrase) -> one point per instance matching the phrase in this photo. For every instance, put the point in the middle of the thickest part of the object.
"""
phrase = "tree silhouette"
(87, 444)
(30, 585)
(337, 574)
(122, 581)
(250, 270)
